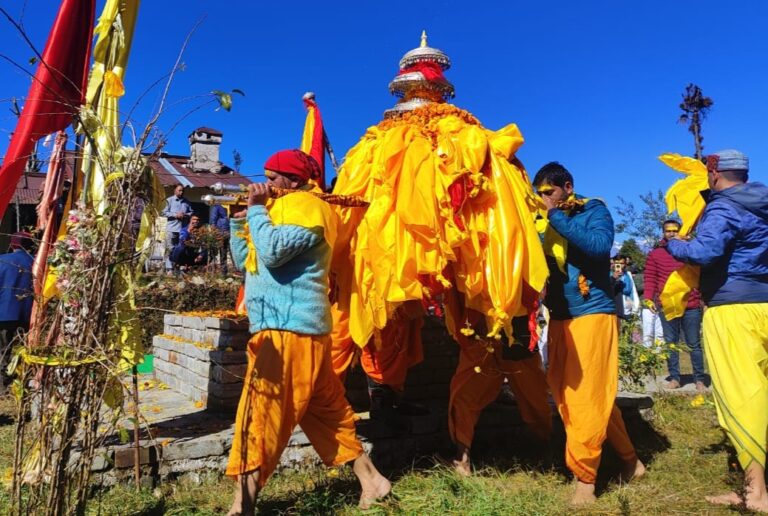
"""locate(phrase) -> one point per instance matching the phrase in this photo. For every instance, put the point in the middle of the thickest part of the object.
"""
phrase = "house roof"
(170, 169)
(29, 188)
(209, 130)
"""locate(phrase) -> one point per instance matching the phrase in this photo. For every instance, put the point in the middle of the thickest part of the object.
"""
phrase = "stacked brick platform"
(202, 358)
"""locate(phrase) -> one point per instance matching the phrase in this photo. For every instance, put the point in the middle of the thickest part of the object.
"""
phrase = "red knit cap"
(293, 162)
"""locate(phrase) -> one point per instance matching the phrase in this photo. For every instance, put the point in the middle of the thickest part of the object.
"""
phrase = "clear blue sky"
(594, 85)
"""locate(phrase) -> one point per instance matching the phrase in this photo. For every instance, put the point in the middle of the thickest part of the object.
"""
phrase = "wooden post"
(137, 446)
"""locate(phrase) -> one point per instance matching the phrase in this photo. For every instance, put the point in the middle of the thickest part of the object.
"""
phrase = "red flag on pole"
(313, 139)
(57, 90)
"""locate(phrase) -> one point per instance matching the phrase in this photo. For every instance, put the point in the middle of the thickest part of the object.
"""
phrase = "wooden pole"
(136, 445)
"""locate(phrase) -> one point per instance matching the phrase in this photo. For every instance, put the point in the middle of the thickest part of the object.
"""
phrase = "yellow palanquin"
(450, 205)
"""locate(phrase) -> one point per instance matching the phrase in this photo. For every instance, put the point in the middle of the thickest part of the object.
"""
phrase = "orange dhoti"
(289, 381)
(472, 391)
(388, 356)
(583, 377)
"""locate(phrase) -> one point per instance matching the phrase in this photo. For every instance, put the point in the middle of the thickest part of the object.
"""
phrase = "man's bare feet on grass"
(245, 495)
(632, 471)
(461, 463)
(462, 468)
(757, 504)
(584, 494)
(375, 485)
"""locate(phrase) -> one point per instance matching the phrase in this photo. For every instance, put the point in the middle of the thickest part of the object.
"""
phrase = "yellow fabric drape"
(736, 344)
(685, 198)
(554, 244)
(413, 238)
(292, 209)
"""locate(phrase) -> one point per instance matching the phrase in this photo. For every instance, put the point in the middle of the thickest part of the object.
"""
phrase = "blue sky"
(594, 85)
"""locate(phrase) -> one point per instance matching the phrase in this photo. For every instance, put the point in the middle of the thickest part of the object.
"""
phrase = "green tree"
(630, 248)
(695, 107)
(644, 223)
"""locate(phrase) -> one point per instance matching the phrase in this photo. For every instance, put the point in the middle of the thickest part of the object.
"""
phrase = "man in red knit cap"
(659, 266)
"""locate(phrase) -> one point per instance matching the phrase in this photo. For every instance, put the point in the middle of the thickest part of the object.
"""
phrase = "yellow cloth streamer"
(290, 209)
(415, 235)
(685, 198)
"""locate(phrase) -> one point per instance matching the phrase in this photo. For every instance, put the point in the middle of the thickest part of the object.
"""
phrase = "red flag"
(313, 139)
(57, 91)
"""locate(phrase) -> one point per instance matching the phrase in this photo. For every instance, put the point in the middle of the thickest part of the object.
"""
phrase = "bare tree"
(695, 107)
(237, 159)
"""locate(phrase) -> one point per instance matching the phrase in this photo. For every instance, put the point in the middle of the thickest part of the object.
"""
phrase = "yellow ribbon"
(555, 245)
(29, 358)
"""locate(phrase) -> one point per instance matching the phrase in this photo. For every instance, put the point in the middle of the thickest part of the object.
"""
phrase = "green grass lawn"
(682, 445)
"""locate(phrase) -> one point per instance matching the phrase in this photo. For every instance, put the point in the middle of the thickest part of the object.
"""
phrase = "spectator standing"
(220, 220)
(177, 211)
(659, 266)
(15, 294)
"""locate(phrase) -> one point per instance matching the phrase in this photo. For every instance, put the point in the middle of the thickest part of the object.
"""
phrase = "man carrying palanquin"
(583, 333)
(483, 366)
(451, 210)
(731, 246)
(285, 246)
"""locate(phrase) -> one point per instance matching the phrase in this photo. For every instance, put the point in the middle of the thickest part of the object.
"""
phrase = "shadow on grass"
(325, 497)
(513, 448)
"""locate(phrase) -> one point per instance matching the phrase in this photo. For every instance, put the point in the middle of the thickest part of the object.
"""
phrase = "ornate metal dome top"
(414, 87)
(425, 53)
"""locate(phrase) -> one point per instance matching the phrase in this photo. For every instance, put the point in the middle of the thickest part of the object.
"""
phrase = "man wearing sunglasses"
(583, 331)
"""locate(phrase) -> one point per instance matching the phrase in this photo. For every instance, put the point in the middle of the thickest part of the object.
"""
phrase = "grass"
(682, 445)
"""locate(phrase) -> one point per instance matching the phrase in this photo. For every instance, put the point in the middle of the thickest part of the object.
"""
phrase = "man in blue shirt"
(15, 294)
(220, 220)
(177, 211)
(583, 331)
(731, 246)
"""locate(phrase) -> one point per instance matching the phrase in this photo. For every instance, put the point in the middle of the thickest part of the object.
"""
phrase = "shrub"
(636, 362)
(166, 294)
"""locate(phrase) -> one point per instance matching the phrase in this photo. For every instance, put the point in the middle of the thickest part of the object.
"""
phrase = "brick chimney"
(204, 145)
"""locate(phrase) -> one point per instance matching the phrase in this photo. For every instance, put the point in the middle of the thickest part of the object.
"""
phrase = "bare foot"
(463, 468)
(584, 495)
(245, 495)
(375, 485)
(757, 504)
(462, 464)
(731, 498)
(632, 471)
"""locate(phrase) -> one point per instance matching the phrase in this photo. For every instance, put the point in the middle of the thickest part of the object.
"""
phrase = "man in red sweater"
(658, 267)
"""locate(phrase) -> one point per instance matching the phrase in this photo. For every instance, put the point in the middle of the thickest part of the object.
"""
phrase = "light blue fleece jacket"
(289, 290)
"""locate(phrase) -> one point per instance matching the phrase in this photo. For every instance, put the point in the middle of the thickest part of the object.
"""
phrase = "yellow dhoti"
(289, 381)
(583, 378)
(471, 391)
(736, 346)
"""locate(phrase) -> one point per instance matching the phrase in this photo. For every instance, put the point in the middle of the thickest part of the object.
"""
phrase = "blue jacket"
(16, 280)
(289, 290)
(219, 218)
(589, 232)
(731, 245)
